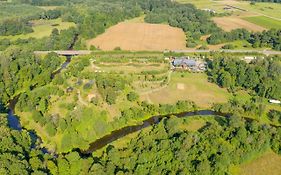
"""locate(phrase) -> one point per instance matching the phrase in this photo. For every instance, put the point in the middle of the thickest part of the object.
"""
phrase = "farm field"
(232, 22)
(264, 21)
(269, 163)
(42, 28)
(189, 86)
(140, 37)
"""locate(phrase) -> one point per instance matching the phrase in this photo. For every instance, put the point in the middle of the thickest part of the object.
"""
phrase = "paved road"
(87, 52)
(265, 52)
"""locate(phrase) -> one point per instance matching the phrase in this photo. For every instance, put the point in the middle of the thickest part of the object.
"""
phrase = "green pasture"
(264, 21)
(42, 28)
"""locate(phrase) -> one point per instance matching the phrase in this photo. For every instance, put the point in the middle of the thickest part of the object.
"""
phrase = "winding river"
(117, 134)
(14, 122)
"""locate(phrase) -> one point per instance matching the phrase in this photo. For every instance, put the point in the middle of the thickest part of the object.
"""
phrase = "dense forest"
(164, 149)
(261, 75)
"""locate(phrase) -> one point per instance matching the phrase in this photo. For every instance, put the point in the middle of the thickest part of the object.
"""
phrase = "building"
(187, 63)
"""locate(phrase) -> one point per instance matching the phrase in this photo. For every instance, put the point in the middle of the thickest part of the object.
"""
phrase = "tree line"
(261, 75)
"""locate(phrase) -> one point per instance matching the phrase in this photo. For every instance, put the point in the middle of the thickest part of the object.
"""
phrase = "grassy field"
(264, 21)
(204, 4)
(269, 163)
(42, 28)
(189, 86)
(233, 22)
(139, 37)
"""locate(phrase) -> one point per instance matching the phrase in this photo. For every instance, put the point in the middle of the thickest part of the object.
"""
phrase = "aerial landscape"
(140, 87)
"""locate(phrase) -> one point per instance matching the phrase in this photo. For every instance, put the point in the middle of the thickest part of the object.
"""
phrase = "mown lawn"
(190, 86)
(264, 21)
(268, 163)
(42, 28)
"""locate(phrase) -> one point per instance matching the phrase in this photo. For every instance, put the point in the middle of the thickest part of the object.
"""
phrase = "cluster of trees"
(261, 75)
(274, 1)
(194, 22)
(270, 39)
(100, 15)
(15, 27)
(110, 86)
(21, 70)
(165, 149)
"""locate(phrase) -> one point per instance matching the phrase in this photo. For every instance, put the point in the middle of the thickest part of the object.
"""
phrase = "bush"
(132, 96)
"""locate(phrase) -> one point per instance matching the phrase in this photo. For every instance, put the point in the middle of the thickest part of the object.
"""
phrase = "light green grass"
(42, 28)
(204, 4)
(264, 21)
(190, 86)
(268, 163)
(269, 9)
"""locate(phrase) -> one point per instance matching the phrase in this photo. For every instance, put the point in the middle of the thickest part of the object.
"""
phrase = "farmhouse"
(187, 63)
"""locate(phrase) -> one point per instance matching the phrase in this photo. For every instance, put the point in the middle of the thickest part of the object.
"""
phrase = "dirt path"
(80, 99)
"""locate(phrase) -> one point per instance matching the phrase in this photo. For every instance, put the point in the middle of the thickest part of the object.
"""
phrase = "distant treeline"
(19, 25)
(274, 1)
(269, 38)
(261, 76)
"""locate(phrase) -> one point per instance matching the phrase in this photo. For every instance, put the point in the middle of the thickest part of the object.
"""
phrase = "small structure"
(187, 63)
(210, 10)
(69, 89)
(248, 59)
(274, 101)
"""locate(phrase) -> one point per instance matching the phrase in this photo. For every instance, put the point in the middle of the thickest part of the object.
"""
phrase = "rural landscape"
(140, 87)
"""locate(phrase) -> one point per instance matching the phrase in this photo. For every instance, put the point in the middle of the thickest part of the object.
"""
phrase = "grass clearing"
(42, 28)
(197, 89)
(264, 21)
(140, 37)
(232, 22)
(269, 163)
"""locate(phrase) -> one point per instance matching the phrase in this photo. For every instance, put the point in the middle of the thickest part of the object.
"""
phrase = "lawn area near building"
(189, 86)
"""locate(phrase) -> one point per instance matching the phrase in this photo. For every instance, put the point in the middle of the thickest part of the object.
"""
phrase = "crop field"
(189, 86)
(42, 28)
(269, 163)
(140, 37)
(264, 21)
(231, 23)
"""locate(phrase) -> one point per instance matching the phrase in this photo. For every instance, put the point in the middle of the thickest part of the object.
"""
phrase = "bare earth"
(140, 37)
(230, 23)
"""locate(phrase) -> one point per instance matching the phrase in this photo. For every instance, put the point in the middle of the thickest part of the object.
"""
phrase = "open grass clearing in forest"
(268, 163)
(264, 21)
(42, 28)
(232, 22)
(197, 89)
(140, 37)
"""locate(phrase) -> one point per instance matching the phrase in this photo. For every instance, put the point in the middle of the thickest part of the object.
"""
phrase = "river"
(117, 134)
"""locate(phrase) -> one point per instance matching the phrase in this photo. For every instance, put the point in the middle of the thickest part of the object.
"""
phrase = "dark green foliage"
(110, 87)
(132, 96)
(193, 21)
(269, 38)
(14, 27)
(261, 76)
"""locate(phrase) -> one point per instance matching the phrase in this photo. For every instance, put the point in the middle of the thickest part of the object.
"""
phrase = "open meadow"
(189, 86)
(140, 37)
(231, 23)
(42, 28)
(268, 163)
(264, 21)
